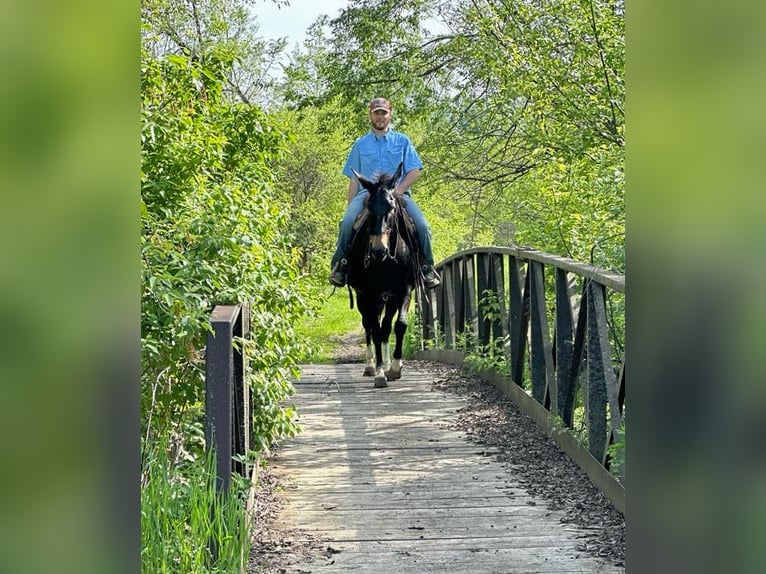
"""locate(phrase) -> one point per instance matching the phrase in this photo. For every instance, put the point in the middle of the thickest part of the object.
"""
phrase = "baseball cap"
(380, 104)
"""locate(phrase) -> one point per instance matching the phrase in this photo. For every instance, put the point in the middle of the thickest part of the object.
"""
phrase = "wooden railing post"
(448, 281)
(243, 420)
(427, 315)
(469, 297)
(541, 352)
(497, 280)
(602, 383)
(565, 382)
(482, 284)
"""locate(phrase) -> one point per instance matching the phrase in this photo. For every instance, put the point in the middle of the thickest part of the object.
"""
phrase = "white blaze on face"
(379, 242)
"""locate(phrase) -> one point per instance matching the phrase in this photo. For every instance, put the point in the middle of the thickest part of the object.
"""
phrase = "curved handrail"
(614, 280)
(560, 333)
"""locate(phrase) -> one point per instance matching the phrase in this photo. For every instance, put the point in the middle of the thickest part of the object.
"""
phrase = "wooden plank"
(387, 557)
(393, 489)
(518, 534)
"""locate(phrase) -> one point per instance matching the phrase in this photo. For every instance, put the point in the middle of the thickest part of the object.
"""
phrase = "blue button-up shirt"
(372, 155)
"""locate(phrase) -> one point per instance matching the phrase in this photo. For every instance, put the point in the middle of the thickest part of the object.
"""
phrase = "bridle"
(393, 216)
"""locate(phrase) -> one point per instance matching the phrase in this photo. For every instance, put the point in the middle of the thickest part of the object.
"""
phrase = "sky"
(293, 20)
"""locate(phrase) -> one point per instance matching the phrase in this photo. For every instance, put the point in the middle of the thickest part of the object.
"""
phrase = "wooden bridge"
(389, 485)
(380, 477)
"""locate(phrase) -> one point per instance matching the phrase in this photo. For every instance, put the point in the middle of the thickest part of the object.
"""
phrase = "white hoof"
(393, 374)
(380, 379)
(394, 371)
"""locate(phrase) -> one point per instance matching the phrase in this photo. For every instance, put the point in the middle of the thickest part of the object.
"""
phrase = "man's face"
(380, 119)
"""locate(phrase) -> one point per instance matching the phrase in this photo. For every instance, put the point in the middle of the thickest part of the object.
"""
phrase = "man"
(381, 150)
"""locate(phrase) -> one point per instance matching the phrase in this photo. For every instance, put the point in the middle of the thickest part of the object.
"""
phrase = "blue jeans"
(357, 206)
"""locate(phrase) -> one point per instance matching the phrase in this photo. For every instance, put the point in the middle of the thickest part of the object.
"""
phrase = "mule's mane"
(384, 178)
(379, 183)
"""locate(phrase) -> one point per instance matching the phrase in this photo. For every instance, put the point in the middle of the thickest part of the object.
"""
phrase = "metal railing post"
(219, 390)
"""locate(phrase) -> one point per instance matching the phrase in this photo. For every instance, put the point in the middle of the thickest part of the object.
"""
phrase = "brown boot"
(430, 277)
(338, 274)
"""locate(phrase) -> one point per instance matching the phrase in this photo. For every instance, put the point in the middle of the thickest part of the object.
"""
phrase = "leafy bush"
(211, 234)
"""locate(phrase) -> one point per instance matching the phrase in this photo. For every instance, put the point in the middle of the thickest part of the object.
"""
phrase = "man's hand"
(408, 180)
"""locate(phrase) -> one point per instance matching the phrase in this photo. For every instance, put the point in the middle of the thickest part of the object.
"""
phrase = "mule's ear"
(389, 182)
(363, 181)
(398, 174)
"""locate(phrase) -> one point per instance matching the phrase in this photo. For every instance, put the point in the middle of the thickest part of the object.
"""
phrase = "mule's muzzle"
(379, 247)
(380, 254)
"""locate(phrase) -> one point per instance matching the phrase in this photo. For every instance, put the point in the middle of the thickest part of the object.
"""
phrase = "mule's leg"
(400, 328)
(369, 369)
(380, 375)
(370, 320)
(395, 372)
(391, 309)
(378, 340)
(386, 355)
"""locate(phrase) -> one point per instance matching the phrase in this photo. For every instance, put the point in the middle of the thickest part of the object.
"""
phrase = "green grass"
(182, 515)
(333, 319)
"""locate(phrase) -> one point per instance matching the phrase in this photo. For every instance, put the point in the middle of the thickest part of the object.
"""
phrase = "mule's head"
(381, 211)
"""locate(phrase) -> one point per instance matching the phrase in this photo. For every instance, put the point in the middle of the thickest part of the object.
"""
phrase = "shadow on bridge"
(381, 476)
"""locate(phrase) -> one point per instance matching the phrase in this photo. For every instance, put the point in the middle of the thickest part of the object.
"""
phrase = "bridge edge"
(599, 476)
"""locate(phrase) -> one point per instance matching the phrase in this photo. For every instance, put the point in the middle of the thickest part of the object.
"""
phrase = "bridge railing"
(554, 308)
(228, 421)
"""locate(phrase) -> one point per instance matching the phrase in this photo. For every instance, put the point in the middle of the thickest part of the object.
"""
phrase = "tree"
(224, 34)
(212, 233)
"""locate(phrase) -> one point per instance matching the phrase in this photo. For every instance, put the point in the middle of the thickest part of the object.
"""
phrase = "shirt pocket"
(369, 163)
(394, 156)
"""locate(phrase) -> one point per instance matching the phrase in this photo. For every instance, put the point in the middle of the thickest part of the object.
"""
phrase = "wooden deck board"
(381, 476)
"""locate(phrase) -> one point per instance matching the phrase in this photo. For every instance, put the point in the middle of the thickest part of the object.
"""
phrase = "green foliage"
(211, 233)
(182, 515)
(331, 320)
(213, 230)
(310, 185)
(516, 110)
(413, 336)
(466, 339)
(616, 453)
(492, 356)
(220, 32)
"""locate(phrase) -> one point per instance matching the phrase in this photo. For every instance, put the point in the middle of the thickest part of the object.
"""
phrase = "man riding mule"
(379, 151)
(383, 273)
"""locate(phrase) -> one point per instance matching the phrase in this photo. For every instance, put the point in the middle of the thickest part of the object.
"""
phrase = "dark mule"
(381, 271)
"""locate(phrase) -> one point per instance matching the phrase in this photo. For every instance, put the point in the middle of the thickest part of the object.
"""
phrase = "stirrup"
(338, 275)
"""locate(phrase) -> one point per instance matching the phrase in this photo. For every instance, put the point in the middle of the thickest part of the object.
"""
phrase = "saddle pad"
(360, 219)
